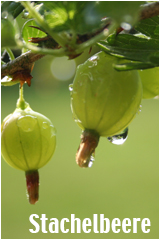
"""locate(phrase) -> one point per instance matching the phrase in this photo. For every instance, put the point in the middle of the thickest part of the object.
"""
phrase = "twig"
(149, 10)
(25, 61)
(21, 63)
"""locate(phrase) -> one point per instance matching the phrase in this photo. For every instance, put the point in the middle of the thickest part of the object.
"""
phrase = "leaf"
(55, 14)
(131, 66)
(8, 32)
(119, 11)
(149, 27)
(12, 8)
(132, 48)
(29, 32)
(87, 16)
(142, 47)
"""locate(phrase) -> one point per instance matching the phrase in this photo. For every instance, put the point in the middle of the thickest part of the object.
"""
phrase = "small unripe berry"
(28, 141)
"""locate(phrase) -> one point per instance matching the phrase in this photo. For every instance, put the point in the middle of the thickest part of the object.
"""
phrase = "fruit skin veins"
(28, 139)
(104, 99)
(150, 82)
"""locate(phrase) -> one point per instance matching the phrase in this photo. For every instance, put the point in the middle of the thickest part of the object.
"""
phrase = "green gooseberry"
(103, 101)
(150, 82)
(28, 141)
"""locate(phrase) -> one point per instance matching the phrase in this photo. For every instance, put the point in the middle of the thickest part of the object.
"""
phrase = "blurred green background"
(122, 183)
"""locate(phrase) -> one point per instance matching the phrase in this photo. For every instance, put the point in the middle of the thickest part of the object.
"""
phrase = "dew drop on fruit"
(120, 138)
(71, 90)
(53, 130)
(71, 87)
(77, 121)
(27, 123)
(93, 60)
(45, 125)
(140, 109)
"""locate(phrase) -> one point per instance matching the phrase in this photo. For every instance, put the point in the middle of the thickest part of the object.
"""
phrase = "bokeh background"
(122, 183)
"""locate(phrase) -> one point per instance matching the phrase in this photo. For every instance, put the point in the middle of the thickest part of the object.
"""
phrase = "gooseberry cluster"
(103, 102)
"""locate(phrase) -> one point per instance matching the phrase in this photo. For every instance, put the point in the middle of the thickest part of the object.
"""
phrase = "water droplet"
(90, 162)
(120, 138)
(71, 90)
(53, 130)
(45, 125)
(71, 87)
(106, 32)
(104, 18)
(77, 120)
(93, 58)
(5, 15)
(140, 109)
(126, 26)
(27, 123)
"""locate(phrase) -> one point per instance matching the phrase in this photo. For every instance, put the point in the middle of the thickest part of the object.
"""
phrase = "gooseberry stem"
(21, 94)
(89, 141)
(21, 103)
(32, 181)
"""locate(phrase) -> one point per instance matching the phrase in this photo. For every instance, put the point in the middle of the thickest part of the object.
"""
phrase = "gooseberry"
(28, 141)
(103, 101)
(150, 82)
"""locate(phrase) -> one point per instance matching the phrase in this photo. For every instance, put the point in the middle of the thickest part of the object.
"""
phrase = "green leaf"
(4, 6)
(55, 15)
(149, 27)
(29, 32)
(87, 16)
(11, 8)
(131, 66)
(8, 32)
(119, 11)
(80, 24)
(138, 47)
(131, 47)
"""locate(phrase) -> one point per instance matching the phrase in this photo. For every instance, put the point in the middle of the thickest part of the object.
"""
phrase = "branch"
(149, 10)
(25, 61)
